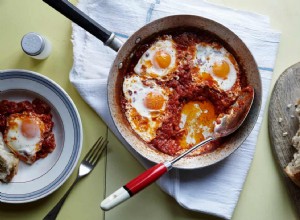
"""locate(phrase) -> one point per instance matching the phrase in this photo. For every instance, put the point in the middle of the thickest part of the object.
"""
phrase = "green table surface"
(264, 195)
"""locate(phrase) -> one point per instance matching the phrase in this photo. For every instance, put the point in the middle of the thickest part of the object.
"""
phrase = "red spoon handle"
(134, 186)
(146, 178)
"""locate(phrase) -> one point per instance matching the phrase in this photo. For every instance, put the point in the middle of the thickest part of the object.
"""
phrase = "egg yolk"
(162, 59)
(197, 117)
(154, 101)
(206, 76)
(221, 69)
(29, 128)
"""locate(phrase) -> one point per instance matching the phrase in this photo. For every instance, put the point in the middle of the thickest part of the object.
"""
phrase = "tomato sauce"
(168, 135)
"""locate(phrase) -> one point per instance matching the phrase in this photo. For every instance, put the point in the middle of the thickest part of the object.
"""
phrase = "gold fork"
(86, 166)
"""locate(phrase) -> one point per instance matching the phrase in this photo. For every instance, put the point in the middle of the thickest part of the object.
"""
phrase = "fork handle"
(54, 212)
(135, 185)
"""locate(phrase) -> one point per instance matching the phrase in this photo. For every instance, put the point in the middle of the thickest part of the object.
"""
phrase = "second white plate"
(38, 180)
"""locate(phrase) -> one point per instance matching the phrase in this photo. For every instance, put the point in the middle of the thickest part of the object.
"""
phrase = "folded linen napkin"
(214, 190)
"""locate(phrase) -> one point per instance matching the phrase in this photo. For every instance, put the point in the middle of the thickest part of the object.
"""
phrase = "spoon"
(225, 125)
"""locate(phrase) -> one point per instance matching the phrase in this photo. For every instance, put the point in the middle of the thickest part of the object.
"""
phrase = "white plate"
(38, 180)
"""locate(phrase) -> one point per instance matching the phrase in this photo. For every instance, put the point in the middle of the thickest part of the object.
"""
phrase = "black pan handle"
(74, 14)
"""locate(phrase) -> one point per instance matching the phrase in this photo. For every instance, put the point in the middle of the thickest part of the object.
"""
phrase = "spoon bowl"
(230, 122)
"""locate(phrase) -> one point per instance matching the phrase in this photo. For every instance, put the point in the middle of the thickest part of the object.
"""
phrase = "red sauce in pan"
(168, 135)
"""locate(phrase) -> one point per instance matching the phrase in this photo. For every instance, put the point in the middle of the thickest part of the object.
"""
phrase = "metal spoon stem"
(170, 163)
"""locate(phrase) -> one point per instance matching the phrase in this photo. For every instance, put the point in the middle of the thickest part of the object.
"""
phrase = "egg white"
(147, 65)
(207, 55)
(197, 119)
(135, 92)
(18, 143)
(190, 139)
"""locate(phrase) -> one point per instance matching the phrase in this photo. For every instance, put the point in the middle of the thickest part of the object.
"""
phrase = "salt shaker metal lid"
(33, 44)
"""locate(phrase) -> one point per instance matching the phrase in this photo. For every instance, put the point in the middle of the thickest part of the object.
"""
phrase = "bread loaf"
(293, 168)
(8, 163)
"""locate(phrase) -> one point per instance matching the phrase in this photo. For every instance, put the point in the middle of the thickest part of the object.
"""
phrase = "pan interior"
(176, 24)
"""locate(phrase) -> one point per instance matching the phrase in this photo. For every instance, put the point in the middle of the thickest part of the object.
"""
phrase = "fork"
(86, 166)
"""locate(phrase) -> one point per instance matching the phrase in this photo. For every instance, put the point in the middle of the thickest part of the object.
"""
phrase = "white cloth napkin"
(214, 190)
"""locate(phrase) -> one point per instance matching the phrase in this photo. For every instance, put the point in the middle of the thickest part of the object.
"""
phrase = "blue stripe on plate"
(77, 135)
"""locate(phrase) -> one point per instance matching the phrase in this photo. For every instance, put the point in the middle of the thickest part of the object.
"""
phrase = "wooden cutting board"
(286, 92)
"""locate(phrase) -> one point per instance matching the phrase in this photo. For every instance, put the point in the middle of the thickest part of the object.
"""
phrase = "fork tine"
(98, 152)
(91, 151)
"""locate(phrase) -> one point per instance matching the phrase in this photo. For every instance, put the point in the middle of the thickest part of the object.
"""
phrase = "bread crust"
(13, 172)
(294, 176)
(14, 164)
(293, 168)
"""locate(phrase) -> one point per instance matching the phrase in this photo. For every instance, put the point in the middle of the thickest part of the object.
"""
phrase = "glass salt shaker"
(36, 46)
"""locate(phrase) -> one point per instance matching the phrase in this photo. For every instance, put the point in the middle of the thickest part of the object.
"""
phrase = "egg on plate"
(24, 135)
(215, 64)
(145, 107)
(158, 61)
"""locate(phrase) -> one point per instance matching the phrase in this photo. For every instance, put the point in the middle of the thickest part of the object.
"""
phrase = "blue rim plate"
(38, 180)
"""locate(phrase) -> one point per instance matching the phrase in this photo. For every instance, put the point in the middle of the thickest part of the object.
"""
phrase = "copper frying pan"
(115, 78)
